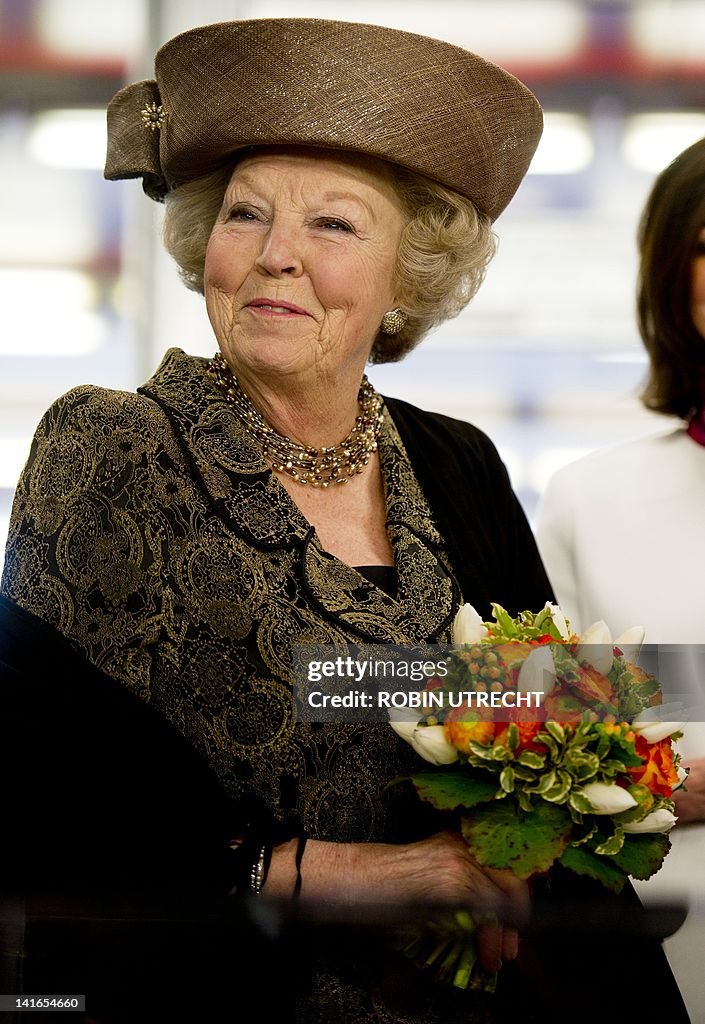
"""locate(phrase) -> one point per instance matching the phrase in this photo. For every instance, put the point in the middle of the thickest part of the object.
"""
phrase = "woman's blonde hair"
(444, 250)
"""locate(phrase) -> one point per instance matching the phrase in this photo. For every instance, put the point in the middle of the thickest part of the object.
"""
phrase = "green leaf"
(558, 793)
(531, 759)
(623, 750)
(506, 779)
(525, 802)
(548, 741)
(613, 844)
(633, 694)
(513, 737)
(449, 790)
(541, 617)
(585, 862)
(603, 746)
(580, 803)
(504, 621)
(544, 783)
(585, 837)
(482, 751)
(500, 753)
(502, 836)
(556, 730)
(583, 733)
(581, 763)
(642, 854)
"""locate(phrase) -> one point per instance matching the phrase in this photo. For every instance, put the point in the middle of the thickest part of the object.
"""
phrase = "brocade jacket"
(148, 530)
(157, 577)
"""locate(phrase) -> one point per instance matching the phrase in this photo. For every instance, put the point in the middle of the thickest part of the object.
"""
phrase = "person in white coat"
(622, 531)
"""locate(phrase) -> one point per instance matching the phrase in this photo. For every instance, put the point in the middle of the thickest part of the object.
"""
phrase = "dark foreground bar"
(595, 958)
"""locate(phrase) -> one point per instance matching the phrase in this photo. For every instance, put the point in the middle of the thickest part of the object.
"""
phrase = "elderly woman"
(330, 189)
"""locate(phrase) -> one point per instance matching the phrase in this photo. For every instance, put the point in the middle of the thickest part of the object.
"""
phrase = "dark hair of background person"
(668, 238)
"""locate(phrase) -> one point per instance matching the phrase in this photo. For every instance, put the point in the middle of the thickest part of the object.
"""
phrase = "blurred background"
(546, 359)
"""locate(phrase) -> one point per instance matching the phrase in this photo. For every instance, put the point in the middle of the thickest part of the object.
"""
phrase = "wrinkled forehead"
(317, 168)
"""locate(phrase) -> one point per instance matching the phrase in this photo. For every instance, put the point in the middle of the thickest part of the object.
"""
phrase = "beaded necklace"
(318, 467)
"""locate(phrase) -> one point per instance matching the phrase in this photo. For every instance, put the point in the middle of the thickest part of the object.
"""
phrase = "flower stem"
(463, 970)
(441, 944)
(448, 962)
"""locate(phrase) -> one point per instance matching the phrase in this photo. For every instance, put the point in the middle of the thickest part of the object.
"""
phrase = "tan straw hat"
(432, 107)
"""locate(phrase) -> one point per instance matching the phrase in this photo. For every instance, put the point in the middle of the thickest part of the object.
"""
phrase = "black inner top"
(383, 576)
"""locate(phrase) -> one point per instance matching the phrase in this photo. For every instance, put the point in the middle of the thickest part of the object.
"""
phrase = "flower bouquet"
(583, 778)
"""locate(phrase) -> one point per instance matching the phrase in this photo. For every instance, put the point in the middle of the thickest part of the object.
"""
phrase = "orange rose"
(593, 686)
(465, 725)
(563, 708)
(527, 735)
(527, 715)
(513, 652)
(658, 771)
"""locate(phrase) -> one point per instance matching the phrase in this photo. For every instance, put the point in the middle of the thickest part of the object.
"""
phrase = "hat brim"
(419, 102)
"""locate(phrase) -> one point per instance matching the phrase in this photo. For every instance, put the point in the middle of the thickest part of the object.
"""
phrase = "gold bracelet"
(258, 871)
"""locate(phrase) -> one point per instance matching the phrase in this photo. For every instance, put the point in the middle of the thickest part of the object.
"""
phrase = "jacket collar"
(250, 499)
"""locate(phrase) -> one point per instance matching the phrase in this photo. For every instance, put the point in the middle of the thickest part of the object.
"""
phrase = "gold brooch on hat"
(153, 116)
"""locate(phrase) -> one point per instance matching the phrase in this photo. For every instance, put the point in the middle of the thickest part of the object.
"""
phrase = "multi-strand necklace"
(318, 467)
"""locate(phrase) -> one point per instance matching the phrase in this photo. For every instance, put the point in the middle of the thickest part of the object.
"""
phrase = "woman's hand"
(690, 805)
(438, 871)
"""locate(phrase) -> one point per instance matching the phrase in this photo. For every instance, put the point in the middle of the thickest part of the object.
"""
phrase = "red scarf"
(696, 427)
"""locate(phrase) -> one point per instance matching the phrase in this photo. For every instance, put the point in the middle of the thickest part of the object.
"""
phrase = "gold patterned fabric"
(148, 529)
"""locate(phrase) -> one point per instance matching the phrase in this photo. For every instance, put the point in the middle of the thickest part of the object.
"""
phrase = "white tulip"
(607, 798)
(538, 673)
(682, 775)
(595, 647)
(558, 619)
(652, 729)
(630, 641)
(661, 820)
(428, 741)
(468, 627)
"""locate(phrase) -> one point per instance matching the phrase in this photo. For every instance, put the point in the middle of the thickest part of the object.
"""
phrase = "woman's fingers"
(517, 902)
(496, 944)
(489, 946)
(510, 943)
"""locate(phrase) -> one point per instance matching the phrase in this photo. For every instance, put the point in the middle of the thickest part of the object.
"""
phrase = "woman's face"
(300, 263)
(697, 286)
